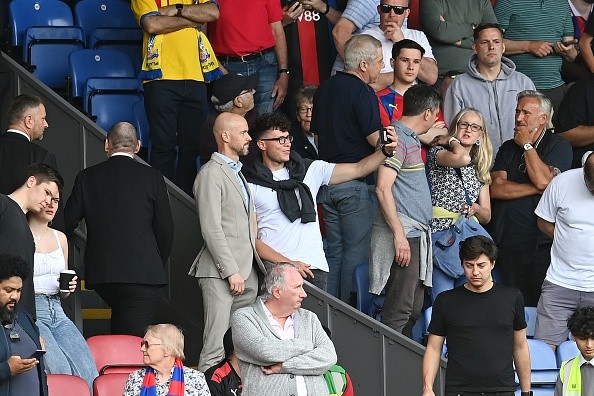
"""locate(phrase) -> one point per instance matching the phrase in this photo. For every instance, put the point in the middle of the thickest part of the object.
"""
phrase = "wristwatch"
(528, 146)
(529, 393)
(179, 7)
(283, 71)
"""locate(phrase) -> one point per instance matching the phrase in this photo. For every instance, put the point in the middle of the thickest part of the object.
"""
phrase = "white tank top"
(47, 269)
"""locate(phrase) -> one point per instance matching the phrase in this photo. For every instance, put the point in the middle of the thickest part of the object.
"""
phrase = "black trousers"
(175, 111)
(133, 306)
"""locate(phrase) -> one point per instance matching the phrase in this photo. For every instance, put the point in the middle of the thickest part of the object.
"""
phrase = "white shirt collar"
(122, 154)
(584, 361)
(20, 133)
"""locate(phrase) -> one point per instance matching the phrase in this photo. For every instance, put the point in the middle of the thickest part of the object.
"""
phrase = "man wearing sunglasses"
(524, 167)
(393, 14)
(20, 374)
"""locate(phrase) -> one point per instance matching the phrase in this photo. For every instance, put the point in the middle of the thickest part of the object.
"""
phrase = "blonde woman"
(459, 177)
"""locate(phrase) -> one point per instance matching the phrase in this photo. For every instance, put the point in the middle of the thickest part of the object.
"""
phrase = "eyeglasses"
(386, 8)
(305, 110)
(146, 344)
(472, 127)
(281, 139)
(14, 334)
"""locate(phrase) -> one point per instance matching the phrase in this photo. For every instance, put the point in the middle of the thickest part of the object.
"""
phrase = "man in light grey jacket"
(282, 348)
(490, 84)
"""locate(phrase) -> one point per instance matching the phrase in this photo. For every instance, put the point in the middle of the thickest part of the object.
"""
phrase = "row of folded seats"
(92, 57)
(116, 356)
(545, 362)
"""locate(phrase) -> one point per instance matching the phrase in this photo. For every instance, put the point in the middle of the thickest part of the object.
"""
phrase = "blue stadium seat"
(46, 50)
(543, 363)
(111, 100)
(530, 313)
(125, 40)
(93, 14)
(566, 350)
(142, 129)
(88, 63)
(24, 14)
(110, 24)
(368, 303)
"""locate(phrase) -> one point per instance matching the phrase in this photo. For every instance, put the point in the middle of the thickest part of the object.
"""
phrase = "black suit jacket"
(129, 222)
(16, 153)
(300, 144)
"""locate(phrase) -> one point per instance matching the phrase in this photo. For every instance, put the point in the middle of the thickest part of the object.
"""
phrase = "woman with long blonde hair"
(459, 165)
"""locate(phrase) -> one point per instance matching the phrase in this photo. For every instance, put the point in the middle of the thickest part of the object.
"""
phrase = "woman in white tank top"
(67, 350)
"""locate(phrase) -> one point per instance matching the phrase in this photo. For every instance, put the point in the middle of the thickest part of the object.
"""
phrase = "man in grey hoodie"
(490, 84)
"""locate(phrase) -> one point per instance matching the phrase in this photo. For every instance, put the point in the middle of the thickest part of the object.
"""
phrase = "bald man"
(129, 231)
(227, 264)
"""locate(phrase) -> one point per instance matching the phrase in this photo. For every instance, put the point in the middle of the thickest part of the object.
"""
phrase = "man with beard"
(227, 264)
(19, 375)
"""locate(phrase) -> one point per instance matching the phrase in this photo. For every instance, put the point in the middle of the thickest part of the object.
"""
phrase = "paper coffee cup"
(65, 277)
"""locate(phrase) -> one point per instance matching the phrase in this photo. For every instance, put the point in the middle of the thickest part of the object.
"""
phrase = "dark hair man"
(401, 239)
(19, 374)
(26, 123)
(40, 185)
(485, 326)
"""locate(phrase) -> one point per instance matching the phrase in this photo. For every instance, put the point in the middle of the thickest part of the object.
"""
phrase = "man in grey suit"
(226, 265)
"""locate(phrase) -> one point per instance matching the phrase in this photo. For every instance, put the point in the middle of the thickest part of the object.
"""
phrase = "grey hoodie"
(495, 99)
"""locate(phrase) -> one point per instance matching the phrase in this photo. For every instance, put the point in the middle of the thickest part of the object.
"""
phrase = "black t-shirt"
(345, 112)
(577, 108)
(480, 336)
(16, 240)
(520, 220)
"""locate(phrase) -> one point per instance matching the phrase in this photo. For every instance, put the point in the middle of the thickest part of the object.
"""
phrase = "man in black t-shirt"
(575, 121)
(524, 167)
(347, 121)
(485, 327)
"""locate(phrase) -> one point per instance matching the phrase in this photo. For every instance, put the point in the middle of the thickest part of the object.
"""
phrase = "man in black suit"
(129, 231)
(26, 123)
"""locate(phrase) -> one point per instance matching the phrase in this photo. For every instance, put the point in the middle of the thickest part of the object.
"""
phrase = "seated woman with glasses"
(459, 177)
(304, 141)
(163, 351)
(67, 350)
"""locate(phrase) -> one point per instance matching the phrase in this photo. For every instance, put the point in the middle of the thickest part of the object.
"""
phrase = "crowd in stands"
(303, 165)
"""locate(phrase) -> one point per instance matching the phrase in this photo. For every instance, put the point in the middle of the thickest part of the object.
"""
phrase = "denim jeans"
(348, 213)
(67, 350)
(266, 67)
(443, 282)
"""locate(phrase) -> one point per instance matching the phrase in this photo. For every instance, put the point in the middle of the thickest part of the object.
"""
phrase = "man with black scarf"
(284, 187)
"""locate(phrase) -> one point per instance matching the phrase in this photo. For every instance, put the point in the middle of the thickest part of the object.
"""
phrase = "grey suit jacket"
(227, 223)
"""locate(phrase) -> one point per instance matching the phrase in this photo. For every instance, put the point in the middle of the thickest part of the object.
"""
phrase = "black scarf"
(285, 189)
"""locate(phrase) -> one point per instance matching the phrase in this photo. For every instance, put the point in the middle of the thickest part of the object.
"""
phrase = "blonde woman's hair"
(171, 338)
(481, 155)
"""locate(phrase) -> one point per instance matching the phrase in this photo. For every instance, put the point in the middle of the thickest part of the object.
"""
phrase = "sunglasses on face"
(386, 8)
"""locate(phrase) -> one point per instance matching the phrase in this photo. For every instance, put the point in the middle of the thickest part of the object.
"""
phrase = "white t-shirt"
(411, 34)
(297, 241)
(570, 205)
